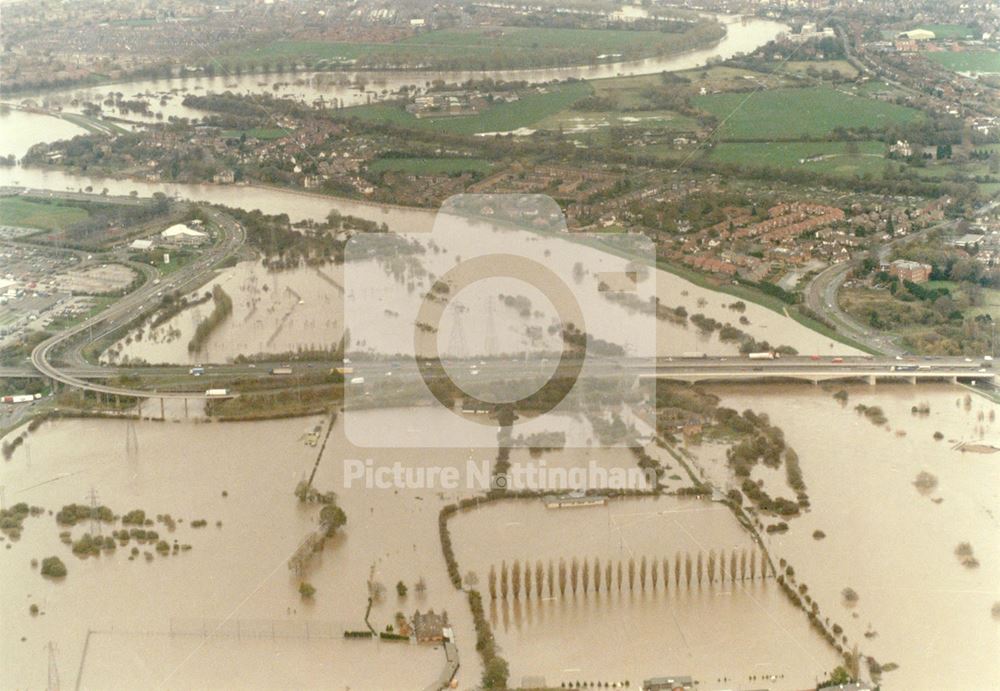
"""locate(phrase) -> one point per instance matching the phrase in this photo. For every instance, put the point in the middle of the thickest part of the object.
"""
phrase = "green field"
(572, 121)
(948, 30)
(794, 113)
(968, 61)
(801, 67)
(430, 166)
(258, 133)
(504, 117)
(488, 47)
(16, 211)
(800, 156)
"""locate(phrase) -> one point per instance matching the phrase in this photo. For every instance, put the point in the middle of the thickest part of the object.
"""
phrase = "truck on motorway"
(215, 393)
(765, 355)
(904, 368)
(21, 398)
(197, 371)
(358, 380)
(279, 371)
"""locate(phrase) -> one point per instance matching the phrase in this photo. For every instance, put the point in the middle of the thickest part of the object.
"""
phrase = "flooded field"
(894, 505)
(22, 130)
(639, 628)
(341, 88)
(307, 308)
(273, 312)
(149, 617)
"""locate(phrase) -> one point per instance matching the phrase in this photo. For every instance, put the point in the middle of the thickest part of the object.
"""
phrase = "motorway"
(121, 313)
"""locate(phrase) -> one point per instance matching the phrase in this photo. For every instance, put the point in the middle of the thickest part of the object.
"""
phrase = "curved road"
(119, 314)
(821, 294)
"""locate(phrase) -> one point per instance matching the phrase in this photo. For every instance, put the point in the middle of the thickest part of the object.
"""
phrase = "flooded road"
(890, 540)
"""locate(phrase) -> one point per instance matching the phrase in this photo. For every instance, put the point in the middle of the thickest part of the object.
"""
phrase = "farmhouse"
(430, 627)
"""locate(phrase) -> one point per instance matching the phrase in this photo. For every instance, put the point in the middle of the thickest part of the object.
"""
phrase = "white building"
(180, 234)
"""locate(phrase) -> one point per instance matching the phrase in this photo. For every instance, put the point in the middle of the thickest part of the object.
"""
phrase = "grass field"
(258, 133)
(586, 121)
(949, 30)
(506, 46)
(801, 67)
(15, 211)
(835, 158)
(793, 113)
(430, 166)
(504, 117)
(968, 61)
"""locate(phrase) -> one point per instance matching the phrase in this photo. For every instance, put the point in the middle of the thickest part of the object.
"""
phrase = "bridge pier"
(163, 412)
(913, 380)
(871, 380)
(185, 408)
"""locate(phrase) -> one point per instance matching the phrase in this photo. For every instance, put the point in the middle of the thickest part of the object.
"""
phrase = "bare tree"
(631, 574)
(574, 574)
(539, 570)
(597, 575)
(515, 578)
(527, 580)
(654, 573)
(711, 567)
(551, 580)
(503, 580)
(687, 568)
(642, 573)
(732, 566)
(492, 580)
(585, 576)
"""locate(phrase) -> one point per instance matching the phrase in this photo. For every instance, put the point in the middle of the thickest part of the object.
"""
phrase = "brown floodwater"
(643, 632)
(893, 544)
(148, 618)
(379, 302)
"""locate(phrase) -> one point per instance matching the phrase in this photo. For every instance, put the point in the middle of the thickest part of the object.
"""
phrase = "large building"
(917, 35)
(180, 234)
(910, 271)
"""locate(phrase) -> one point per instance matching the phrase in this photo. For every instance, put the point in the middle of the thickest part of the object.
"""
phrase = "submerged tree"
(562, 576)
(539, 570)
(515, 578)
(597, 575)
(503, 580)
(492, 580)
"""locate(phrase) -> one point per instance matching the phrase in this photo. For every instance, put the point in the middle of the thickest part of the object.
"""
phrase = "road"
(122, 312)
(821, 293)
